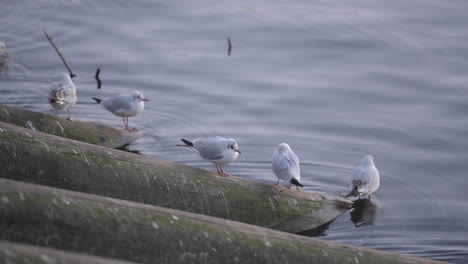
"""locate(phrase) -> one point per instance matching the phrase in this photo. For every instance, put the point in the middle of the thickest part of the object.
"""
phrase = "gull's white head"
(232, 146)
(367, 160)
(65, 77)
(283, 148)
(138, 96)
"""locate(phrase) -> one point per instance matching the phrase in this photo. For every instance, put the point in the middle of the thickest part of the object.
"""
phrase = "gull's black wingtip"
(97, 100)
(353, 192)
(188, 143)
(296, 182)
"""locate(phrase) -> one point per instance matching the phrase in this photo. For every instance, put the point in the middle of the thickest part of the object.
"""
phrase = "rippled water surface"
(334, 79)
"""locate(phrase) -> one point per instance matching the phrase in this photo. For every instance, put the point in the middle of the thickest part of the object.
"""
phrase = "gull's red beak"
(238, 151)
(146, 100)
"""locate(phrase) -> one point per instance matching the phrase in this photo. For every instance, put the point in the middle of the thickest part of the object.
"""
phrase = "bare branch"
(60, 54)
(229, 46)
(98, 71)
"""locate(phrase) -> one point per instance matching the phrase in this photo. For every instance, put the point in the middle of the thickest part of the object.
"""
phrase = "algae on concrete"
(75, 129)
(40, 158)
(106, 227)
(17, 253)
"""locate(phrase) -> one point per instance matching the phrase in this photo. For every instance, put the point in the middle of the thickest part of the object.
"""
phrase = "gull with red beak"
(124, 105)
(217, 150)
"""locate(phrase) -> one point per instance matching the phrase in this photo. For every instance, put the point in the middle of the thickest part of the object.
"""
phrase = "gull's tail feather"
(296, 182)
(97, 100)
(353, 192)
(187, 143)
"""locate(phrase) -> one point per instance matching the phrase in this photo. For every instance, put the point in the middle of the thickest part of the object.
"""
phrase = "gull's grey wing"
(286, 166)
(119, 102)
(358, 178)
(209, 149)
(364, 178)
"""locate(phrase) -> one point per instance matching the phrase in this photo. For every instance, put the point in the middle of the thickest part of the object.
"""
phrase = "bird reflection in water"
(126, 148)
(364, 212)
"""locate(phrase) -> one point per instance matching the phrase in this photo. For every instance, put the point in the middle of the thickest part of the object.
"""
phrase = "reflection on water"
(316, 232)
(127, 148)
(364, 212)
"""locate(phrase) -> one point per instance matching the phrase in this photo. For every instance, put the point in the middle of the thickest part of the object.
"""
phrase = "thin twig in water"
(98, 71)
(60, 54)
(229, 46)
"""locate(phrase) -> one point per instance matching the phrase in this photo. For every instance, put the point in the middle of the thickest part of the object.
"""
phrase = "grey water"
(336, 80)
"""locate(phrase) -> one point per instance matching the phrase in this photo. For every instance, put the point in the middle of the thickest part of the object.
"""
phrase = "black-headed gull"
(218, 150)
(365, 178)
(62, 94)
(124, 105)
(285, 165)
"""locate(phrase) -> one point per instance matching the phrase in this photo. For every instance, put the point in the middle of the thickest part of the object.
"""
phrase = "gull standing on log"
(286, 165)
(365, 178)
(62, 94)
(217, 150)
(124, 105)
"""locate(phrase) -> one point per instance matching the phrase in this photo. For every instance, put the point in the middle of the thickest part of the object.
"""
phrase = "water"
(334, 79)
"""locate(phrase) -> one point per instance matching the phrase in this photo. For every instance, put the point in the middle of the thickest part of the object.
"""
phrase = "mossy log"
(136, 232)
(16, 253)
(54, 161)
(77, 130)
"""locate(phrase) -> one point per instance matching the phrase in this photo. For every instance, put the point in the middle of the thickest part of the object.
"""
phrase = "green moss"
(81, 136)
(77, 130)
(96, 225)
(268, 204)
(74, 165)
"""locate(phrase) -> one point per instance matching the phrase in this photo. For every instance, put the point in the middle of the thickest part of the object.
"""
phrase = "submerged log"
(77, 130)
(40, 158)
(130, 231)
(16, 253)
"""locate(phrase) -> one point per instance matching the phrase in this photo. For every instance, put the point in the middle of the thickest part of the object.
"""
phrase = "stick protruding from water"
(60, 54)
(229, 46)
(98, 71)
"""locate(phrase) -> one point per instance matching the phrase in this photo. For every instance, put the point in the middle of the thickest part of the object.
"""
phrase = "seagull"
(3, 51)
(286, 165)
(365, 179)
(3, 48)
(217, 150)
(62, 94)
(124, 105)
(4, 59)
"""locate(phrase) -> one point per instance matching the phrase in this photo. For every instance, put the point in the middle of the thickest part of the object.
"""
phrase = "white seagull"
(286, 165)
(4, 59)
(365, 179)
(124, 105)
(3, 48)
(218, 150)
(62, 94)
